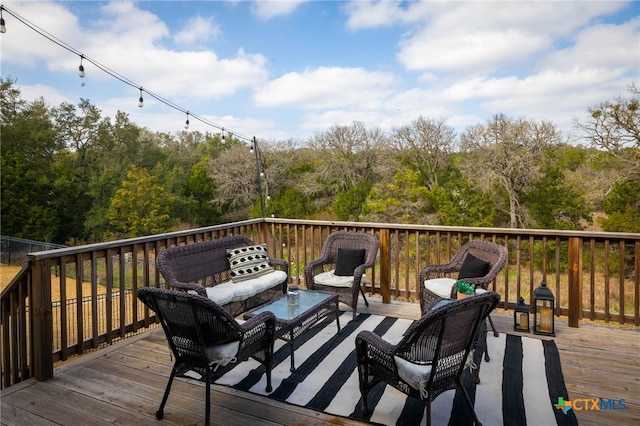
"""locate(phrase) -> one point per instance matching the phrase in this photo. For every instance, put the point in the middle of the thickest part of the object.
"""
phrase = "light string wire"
(122, 78)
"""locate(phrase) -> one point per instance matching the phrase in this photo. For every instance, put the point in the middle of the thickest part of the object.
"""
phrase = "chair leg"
(207, 399)
(469, 404)
(428, 404)
(365, 403)
(366, 302)
(160, 412)
(495, 332)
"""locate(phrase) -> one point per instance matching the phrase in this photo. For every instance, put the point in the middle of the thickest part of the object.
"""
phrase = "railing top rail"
(131, 241)
(14, 282)
(463, 229)
(459, 229)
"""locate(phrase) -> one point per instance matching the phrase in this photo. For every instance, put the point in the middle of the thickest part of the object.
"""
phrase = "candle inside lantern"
(524, 323)
(546, 317)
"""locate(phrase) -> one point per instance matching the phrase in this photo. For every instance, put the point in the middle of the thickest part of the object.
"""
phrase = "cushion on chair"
(248, 262)
(472, 267)
(440, 286)
(416, 375)
(221, 355)
(238, 291)
(348, 260)
(330, 279)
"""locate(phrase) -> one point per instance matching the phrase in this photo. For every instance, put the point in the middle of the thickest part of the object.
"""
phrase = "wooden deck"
(123, 384)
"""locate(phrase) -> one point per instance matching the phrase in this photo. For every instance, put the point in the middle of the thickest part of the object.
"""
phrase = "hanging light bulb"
(81, 67)
(3, 29)
(140, 100)
(186, 123)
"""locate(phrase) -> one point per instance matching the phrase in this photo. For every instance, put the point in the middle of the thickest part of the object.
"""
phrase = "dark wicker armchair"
(350, 288)
(431, 356)
(205, 339)
(495, 255)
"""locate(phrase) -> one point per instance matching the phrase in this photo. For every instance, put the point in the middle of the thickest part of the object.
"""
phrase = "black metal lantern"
(544, 308)
(521, 316)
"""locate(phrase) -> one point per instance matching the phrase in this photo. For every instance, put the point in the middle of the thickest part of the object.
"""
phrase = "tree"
(29, 145)
(140, 207)
(234, 173)
(507, 152)
(199, 191)
(405, 199)
(623, 208)
(614, 126)
(425, 146)
(555, 205)
(349, 156)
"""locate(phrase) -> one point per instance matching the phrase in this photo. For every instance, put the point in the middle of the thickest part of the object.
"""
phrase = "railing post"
(575, 281)
(385, 269)
(42, 337)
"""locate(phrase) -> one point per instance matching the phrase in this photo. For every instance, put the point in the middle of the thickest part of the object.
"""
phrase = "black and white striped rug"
(519, 386)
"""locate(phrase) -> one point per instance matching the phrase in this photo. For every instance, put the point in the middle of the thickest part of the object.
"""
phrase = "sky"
(279, 70)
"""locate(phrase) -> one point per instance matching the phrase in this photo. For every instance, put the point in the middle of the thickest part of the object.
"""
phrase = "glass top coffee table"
(292, 321)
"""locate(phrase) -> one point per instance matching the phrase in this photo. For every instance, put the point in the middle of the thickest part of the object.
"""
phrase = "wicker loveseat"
(204, 267)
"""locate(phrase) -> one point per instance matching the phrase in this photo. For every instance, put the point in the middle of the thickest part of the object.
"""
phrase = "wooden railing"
(593, 276)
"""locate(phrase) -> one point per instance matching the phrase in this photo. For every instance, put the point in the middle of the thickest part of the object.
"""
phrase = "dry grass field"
(7, 272)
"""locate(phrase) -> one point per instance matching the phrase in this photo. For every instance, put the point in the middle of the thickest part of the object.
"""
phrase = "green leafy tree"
(29, 144)
(555, 205)
(622, 207)
(348, 204)
(140, 207)
(405, 199)
(462, 204)
(199, 191)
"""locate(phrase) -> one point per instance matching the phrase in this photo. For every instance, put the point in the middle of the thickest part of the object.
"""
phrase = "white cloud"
(326, 87)
(269, 9)
(370, 14)
(197, 29)
(128, 41)
(600, 46)
(36, 91)
(480, 51)
(23, 46)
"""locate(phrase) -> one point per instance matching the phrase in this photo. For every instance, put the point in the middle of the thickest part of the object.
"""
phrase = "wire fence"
(14, 250)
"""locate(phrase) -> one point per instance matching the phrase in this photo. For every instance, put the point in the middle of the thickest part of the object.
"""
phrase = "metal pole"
(255, 151)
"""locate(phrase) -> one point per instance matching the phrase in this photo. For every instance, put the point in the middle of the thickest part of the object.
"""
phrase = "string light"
(113, 73)
(186, 123)
(140, 100)
(3, 29)
(81, 67)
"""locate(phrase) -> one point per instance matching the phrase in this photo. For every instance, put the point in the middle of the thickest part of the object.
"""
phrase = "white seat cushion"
(221, 355)
(221, 296)
(238, 291)
(440, 286)
(330, 279)
(416, 375)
